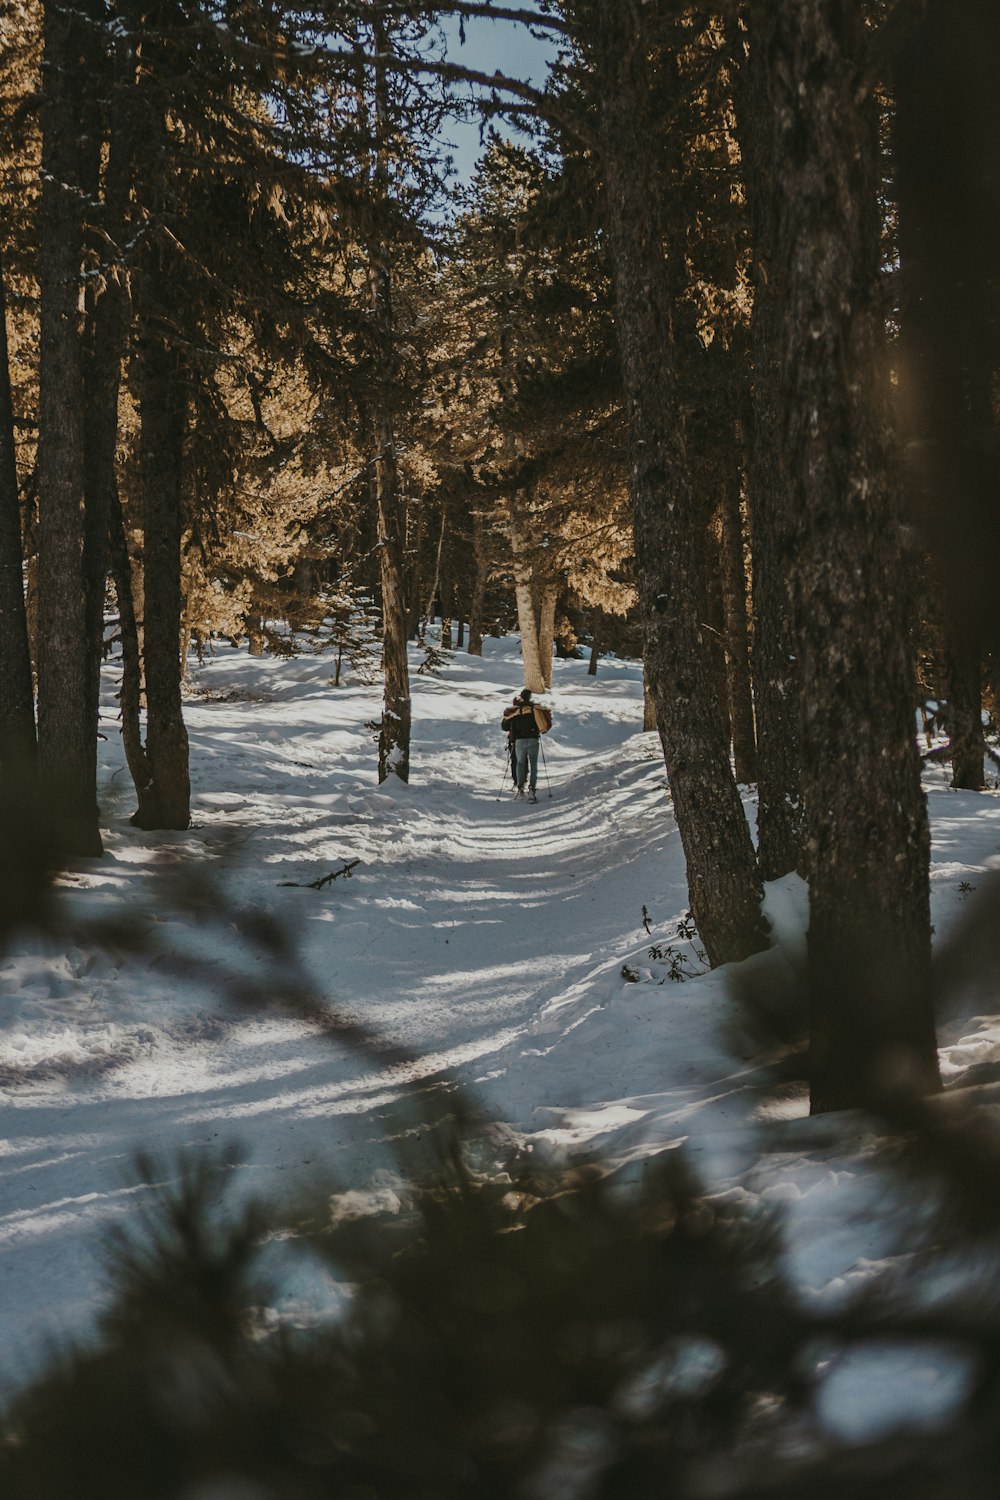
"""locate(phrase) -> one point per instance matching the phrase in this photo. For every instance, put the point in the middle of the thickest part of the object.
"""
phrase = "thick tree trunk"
(17, 707)
(724, 888)
(648, 702)
(734, 602)
(527, 614)
(947, 123)
(65, 754)
(775, 665)
(547, 630)
(165, 802)
(872, 1026)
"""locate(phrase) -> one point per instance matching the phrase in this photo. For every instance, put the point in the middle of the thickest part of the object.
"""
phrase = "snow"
(478, 935)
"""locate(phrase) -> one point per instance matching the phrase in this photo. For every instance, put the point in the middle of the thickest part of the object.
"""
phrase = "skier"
(525, 721)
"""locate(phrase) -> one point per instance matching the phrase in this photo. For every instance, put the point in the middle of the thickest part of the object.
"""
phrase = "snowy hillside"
(506, 942)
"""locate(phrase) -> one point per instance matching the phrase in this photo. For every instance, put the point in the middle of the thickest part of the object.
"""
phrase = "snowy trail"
(486, 938)
(466, 916)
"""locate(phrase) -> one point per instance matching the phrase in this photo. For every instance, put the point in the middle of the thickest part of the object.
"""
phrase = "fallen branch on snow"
(317, 885)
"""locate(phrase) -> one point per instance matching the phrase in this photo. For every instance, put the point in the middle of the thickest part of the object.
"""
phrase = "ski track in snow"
(485, 938)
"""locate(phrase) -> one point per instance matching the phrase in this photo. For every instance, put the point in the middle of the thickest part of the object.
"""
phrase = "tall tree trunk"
(447, 607)
(734, 602)
(963, 672)
(394, 736)
(478, 601)
(947, 124)
(130, 692)
(775, 666)
(109, 322)
(872, 1027)
(547, 629)
(527, 615)
(165, 801)
(724, 888)
(65, 754)
(17, 706)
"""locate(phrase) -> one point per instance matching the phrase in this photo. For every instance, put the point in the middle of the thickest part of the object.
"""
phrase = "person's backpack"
(545, 714)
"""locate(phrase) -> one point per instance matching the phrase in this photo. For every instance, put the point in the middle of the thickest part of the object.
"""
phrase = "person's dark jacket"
(524, 721)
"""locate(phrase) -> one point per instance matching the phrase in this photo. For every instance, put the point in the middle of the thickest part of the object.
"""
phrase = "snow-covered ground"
(506, 942)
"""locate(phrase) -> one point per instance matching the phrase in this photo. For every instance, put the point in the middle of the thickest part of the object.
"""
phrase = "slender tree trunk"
(595, 642)
(432, 592)
(165, 802)
(130, 692)
(109, 325)
(65, 754)
(17, 707)
(394, 736)
(963, 677)
(478, 602)
(447, 606)
(775, 666)
(734, 603)
(724, 888)
(872, 1026)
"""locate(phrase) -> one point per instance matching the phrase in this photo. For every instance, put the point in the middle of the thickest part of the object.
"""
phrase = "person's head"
(525, 695)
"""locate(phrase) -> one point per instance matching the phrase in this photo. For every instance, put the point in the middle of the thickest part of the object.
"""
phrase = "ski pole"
(545, 768)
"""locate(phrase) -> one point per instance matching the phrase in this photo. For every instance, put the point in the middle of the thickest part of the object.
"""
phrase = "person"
(525, 721)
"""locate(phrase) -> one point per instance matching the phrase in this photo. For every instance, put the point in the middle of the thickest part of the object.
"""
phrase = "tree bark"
(165, 801)
(595, 642)
(547, 630)
(527, 615)
(17, 704)
(65, 755)
(963, 681)
(947, 120)
(734, 603)
(775, 666)
(394, 735)
(724, 888)
(872, 1027)
(478, 601)
(109, 322)
(130, 692)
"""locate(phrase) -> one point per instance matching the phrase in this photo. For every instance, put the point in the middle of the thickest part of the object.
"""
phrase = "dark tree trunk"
(447, 609)
(165, 801)
(774, 655)
(478, 601)
(65, 752)
(394, 736)
(109, 324)
(872, 1026)
(734, 600)
(963, 681)
(723, 884)
(17, 708)
(130, 692)
(595, 642)
(947, 126)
